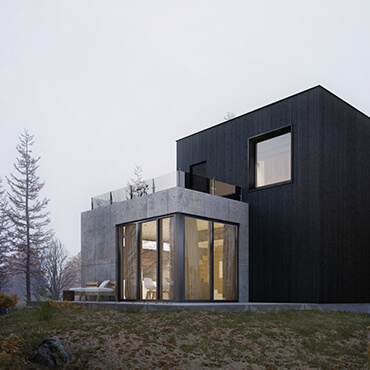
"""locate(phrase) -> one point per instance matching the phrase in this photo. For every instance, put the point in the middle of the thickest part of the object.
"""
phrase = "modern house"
(270, 206)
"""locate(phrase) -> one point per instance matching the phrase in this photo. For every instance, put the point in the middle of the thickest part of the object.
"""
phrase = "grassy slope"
(192, 339)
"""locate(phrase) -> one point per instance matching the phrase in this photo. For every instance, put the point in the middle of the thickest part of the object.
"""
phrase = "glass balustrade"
(173, 179)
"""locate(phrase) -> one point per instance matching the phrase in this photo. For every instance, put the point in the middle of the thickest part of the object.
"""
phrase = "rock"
(51, 353)
(4, 310)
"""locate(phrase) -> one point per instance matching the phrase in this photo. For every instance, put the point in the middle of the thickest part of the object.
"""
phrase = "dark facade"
(310, 235)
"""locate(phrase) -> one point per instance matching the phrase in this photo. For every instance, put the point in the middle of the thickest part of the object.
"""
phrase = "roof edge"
(275, 102)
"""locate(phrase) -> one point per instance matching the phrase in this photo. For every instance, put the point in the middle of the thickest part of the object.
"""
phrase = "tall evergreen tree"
(27, 214)
(4, 245)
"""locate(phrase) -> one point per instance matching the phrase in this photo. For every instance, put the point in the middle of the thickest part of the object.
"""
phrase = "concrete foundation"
(226, 307)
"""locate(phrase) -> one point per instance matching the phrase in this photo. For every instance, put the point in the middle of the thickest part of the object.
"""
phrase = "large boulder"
(51, 353)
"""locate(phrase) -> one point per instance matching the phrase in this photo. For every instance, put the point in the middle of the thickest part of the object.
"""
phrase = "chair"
(165, 288)
(151, 288)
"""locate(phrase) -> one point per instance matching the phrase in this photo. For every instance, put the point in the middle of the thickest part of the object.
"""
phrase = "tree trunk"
(28, 278)
(28, 246)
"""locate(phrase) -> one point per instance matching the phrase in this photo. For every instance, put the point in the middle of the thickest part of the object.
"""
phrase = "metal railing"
(173, 179)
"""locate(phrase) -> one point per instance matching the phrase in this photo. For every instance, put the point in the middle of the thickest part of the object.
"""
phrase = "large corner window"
(207, 270)
(147, 260)
(210, 260)
(270, 158)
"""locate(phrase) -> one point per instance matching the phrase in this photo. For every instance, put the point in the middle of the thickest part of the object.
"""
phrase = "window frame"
(178, 261)
(138, 225)
(252, 157)
(211, 262)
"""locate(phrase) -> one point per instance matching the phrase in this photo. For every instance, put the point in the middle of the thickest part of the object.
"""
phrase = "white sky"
(105, 85)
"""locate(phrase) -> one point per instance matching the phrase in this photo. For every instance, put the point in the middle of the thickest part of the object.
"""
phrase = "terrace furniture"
(166, 287)
(107, 288)
(151, 288)
(68, 295)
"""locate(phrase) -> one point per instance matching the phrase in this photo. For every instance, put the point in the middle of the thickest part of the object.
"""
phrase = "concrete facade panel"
(243, 282)
(88, 273)
(87, 238)
(103, 271)
(190, 201)
(237, 212)
(243, 244)
(216, 207)
(102, 234)
(157, 205)
(113, 244)
(120, 211)
(137, 208)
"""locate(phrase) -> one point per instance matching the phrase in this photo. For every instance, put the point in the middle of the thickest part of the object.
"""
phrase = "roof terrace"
(170, 180)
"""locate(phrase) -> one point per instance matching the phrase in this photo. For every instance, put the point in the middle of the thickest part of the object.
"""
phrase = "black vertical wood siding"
(309, 239)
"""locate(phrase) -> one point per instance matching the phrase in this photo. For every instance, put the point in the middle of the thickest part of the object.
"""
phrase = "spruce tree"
(27, 215)
(137, 187)
(4, 245)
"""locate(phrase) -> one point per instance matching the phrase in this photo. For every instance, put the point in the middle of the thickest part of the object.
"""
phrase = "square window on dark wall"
(270, 158)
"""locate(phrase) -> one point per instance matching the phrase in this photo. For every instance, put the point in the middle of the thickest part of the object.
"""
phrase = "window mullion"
(159, 270)
(138, 260)
(211, 270)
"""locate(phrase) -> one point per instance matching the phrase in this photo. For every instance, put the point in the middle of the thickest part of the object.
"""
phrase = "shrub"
(10, 352)
(67, 305)
(9, 300)
(45, 311)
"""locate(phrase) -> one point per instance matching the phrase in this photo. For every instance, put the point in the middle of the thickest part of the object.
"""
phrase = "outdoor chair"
(107, 287)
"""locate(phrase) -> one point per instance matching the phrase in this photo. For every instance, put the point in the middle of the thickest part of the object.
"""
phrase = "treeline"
(30, 254)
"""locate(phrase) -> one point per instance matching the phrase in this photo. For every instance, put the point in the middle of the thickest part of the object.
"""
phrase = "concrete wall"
(99, 251)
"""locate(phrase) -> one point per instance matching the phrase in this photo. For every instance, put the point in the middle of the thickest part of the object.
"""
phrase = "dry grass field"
(111, 339)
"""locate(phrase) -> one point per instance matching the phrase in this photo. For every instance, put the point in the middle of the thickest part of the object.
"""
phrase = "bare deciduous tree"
(27, 215)
(74, 266)
(57, 274)
(4, 244)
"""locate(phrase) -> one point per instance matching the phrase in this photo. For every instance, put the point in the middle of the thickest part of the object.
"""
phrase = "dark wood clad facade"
(310, 237)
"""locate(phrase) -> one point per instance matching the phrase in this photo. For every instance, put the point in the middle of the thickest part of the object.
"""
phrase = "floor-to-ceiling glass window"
(148, 259)
(128, 262)
(197, 259)
(224, 262)
(167, 253)
(201, 251)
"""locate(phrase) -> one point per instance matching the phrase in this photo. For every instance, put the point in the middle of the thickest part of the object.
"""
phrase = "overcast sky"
(105, 85)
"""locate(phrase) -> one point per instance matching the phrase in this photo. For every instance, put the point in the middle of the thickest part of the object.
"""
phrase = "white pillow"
(104, 284)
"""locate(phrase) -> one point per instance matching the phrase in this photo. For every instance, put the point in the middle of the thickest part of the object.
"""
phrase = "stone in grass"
(51, 353)
(4, 310)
